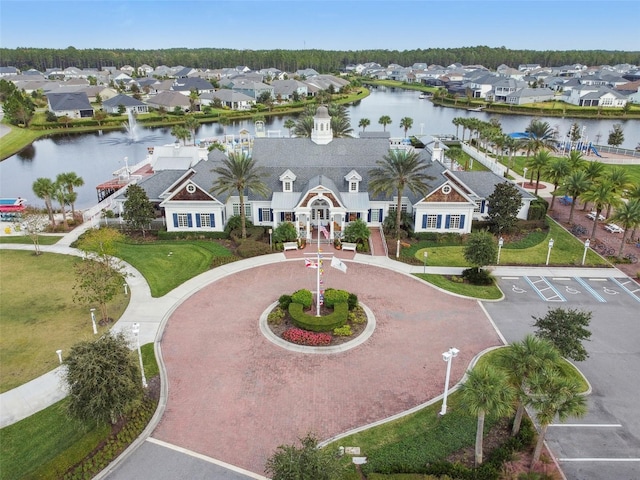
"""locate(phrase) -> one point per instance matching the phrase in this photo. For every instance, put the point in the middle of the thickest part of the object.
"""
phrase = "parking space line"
(557, 297)
(629, 292)
(588, 287)
(599, 459)
(593, 425)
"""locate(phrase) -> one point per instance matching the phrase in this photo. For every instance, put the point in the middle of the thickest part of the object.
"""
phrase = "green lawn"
(567, 250)
(50, 441)
(25, 239)
(483, 292)
(38, 315)
(168, 264)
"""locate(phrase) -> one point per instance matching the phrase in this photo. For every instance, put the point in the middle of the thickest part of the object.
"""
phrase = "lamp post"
(126, 288)
(425, 261)
(586, 247)
(447, 357)
(59, 353)
(93, 321)
(549, 251)
(271, 239)
(524, 175)
(500, 243)
(135, 328)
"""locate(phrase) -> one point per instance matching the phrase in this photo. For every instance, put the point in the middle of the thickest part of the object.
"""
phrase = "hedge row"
(164, 235)
(325, 323)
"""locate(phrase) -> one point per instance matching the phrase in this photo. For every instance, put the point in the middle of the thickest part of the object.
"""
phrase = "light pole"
(447, 357)
(549, 251)
(586, 247)
(93, 321)
(500, 243)
(126, 288)
(135, 328)
(271, 239)
(59, 353)
(524, 175)
(425, 261)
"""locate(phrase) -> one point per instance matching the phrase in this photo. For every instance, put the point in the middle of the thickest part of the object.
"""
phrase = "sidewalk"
(152, 313)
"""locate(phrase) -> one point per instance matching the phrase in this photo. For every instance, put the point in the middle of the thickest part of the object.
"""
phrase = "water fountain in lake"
(131, 126)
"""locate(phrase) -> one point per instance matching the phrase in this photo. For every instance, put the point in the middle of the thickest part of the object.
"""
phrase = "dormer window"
(353, 186)
(287, 179)
(287, 186)
(353, 178)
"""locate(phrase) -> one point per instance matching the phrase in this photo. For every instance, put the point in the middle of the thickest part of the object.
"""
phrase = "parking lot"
(605, 444)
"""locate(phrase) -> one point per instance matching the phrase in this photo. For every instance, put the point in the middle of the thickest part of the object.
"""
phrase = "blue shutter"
(380, 216)
(271, 214)
(259, 214)
(175, 220)
(282, 216)
(424, 221)
(189, 221)
(369, 216)
(198, 220)
(439, 221)
(358, 215)
(212, 219)
(482, 206)
(461, 222)
(447, 222)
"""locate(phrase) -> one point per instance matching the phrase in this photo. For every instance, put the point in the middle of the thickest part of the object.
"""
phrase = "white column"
(297, 222)
(309, 226)
(342, 223)
(331, 237)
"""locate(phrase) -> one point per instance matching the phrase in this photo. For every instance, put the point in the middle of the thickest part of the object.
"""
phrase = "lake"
(96, 156)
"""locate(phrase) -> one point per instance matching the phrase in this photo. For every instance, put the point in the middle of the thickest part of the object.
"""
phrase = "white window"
(191, 188)
(432, 221)
(353, 186)
(183, 220)
(286, 186)
(454, 222)
(266, 214)
(205, 220)
(375, 214)
(478, 206)
(247, 209)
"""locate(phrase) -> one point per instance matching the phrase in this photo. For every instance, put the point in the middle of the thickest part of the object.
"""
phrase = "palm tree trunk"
(64, 216)
(52, 218)
(479, 435)
(517, 421)
(595, 224)
(539, 445)
(624, 239)
(537, 181)
(399, 211)
(553, 196)
(243, 222)
(573, 204)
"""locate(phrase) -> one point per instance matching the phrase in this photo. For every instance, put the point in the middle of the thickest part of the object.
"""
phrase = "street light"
(586, 247)
(524, 175)
(447, 357)
(549, 251)
(59, 353)
(425, 261)
(500, 243)
(135, 328)
(93, 321)
(126, 288)
(270, 239)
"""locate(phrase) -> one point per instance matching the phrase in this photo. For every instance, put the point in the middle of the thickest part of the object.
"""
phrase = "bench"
(290, 246)
(349, 246)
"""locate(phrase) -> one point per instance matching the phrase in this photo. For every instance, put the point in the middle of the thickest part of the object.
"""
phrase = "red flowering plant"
(304, 337)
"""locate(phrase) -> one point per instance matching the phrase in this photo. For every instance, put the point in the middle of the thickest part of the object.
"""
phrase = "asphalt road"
(605, 444)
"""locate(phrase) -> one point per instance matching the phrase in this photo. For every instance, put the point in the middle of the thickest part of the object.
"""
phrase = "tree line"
(323, 61)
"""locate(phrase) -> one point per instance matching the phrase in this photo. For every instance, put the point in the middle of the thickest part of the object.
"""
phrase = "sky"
(324, 25)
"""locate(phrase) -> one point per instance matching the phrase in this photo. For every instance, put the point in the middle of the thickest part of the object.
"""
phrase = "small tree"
(306, 462)
(103, 379)
(504, 205)
(616, 136)
(357, 232)
(99, 276)
(565, 329)
(481, 249)
(138, 210)
(33, 223)
(285, 232)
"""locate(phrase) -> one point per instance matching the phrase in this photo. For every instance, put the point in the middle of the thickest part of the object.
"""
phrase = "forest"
(323, 61)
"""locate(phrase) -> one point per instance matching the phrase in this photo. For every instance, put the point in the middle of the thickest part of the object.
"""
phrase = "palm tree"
(486, 391)
(575, 184)
(238, 173)
(521, 360)
(601, 194)
(557, 169)
(181, 133)
(628, 215)
(364, 123)
(289, 124)
(538, 163)
(340, 126)
(60, 194)
(44, 189)
(191, 123)
(224, 121)
(406, 123)
(541, 135)
(304, 126)
(554, 395)
(398, 170)
(594, 171)
(457, 121)
(576, 160)
(511, 145)
(621, 181)
(69, 180)
(384, 121)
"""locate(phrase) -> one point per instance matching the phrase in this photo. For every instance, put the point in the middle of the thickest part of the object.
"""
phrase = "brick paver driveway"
(235, 396)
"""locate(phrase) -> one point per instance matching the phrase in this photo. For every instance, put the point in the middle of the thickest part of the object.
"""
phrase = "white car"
(592, 216)
(613, 228)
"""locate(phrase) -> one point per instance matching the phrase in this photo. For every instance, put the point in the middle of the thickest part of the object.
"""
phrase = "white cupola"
(321, 133)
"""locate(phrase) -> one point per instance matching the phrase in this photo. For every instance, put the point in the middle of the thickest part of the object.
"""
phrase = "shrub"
(302, 297)
(357, 232)
(304, 337)
(276, 316)
(478, 276)
(164, 235)
(343, 331)
(324, 323)
(352, 301)
(537, 209)
(333, 296)
(285, 232)
(284, 301)
(235, 222)
(252, 248)
(357, 317)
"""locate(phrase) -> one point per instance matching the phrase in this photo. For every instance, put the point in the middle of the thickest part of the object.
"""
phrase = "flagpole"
(318, 278)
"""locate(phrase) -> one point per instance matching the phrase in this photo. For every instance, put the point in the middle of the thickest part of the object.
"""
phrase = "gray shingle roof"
(484, 183)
